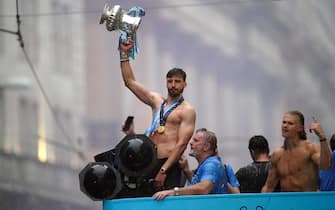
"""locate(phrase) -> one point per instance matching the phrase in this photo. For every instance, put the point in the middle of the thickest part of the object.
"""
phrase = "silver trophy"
(118, 19)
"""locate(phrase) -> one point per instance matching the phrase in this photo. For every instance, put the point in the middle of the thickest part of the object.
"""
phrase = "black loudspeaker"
(100, 180)
(121, 172)
(136, 155)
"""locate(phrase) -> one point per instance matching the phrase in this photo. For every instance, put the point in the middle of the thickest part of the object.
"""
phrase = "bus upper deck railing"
(247, 201)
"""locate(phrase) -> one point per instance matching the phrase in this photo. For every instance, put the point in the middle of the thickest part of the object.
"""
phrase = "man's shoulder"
(212, 165)
(254, 168)
(278, 150)
(187, 110)
(246, 168)
(187, 106)
(309, 145)
(309, 142)
(213, 161)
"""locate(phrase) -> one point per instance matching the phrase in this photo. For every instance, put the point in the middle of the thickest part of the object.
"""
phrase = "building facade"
(42, 106)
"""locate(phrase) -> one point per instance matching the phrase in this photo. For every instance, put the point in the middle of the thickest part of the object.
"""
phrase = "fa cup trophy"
(128, 22)
(118, 19)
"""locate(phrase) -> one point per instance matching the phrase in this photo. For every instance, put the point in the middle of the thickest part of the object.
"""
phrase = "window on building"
(28, 130)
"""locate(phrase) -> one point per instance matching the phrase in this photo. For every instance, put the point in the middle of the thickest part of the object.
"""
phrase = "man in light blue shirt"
(209, 170)
(209, 177)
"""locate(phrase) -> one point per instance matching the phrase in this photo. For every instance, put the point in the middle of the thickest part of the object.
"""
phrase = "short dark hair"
(332, 142)
(176, 72)
(259, 144)
(302, 134)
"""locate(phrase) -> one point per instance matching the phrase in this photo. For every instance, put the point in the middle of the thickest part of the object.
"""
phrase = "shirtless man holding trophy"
(173, 121)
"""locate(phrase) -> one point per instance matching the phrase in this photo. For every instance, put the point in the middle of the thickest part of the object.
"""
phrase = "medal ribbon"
(160, 116)
(163, 115)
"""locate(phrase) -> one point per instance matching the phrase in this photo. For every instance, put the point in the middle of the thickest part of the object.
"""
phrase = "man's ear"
(207, 147)
(252, 153)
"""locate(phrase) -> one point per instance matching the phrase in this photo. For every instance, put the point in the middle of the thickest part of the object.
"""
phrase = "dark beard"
(174, 93)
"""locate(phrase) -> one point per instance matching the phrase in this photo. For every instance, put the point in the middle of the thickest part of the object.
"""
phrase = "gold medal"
(161, 129)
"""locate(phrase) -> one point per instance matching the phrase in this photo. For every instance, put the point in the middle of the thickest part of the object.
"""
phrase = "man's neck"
(171, 100)
(290, 143)
(262, 157)
(203, 157)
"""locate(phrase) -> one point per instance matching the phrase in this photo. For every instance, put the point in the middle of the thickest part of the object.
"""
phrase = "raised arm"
(322, 155)
(141, 92)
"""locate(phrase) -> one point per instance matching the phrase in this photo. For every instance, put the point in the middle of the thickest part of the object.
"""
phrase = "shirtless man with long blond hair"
(297, 162)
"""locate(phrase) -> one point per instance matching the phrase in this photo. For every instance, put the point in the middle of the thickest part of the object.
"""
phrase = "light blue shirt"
(210, 170)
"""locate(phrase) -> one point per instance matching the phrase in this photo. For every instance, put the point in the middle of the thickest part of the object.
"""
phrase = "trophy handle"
(104, 14)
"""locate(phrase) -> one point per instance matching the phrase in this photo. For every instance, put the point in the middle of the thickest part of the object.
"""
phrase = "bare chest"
(173, 118)
(295, 161)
